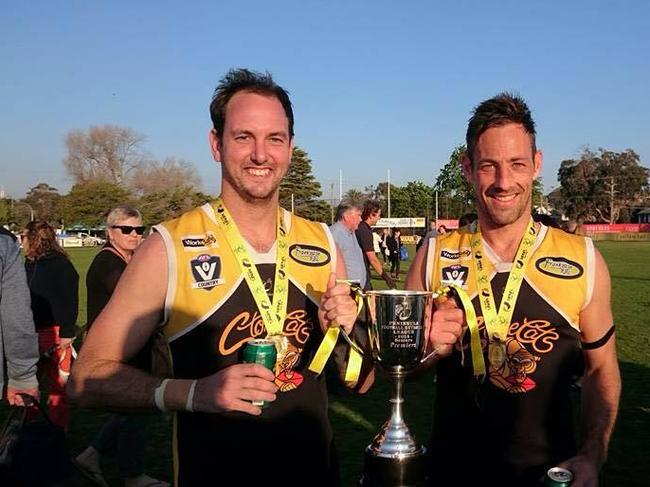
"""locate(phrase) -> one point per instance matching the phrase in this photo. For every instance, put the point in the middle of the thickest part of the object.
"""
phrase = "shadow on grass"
(629, 451)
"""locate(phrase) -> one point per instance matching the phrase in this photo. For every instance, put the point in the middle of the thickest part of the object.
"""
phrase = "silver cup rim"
(398, 292)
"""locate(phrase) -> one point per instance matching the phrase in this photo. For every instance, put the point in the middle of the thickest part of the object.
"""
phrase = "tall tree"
(164, 205)
(301, 183)
(164, 177)
(413, 200)
(455, 194)
(89, 203)
(44, 201)
(598, 185)
(355, 197)
(103, 153)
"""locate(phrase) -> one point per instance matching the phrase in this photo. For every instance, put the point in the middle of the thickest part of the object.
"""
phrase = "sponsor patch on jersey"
(454, 254)
(559, 267)
(196, 243)
(206, 271)
(455, 274)
(309, 255)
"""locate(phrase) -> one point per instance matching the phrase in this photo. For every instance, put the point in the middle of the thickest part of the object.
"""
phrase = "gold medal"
(497, 353)
(281, 343)
(497, 322)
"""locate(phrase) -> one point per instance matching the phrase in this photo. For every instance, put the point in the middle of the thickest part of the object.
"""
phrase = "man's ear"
(215, 145)
(538, 160)
(466, 165)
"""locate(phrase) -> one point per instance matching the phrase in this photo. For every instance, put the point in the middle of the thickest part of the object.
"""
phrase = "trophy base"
(409, 470)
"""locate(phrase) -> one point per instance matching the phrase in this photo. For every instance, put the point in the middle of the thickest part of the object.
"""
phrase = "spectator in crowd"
(467, 219)
(547, 220)
(369, 217)
(384, 249)
(54, 288)
(394, 245)
(348, 218)
(122, 435)
(18, 338)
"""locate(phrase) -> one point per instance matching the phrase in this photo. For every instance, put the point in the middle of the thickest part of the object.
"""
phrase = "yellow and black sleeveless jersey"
(209, 315)
(517, 420)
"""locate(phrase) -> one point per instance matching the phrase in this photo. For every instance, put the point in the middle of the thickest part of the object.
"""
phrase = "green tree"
(89, 203)
(599, 184)
(355, 197)
(413, 200)
(6, 213)
(455, 194)
(306, 191)
(164, 205)
(44, 200)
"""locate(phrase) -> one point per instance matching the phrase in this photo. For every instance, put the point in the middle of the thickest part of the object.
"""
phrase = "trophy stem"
(396, 418)
(397, 341)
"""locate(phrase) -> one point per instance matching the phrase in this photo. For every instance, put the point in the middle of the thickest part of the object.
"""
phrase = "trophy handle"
(355, 287)
(353, 345)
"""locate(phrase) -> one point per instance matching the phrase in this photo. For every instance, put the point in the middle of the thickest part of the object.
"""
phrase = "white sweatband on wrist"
(159, 395)
(189, 406)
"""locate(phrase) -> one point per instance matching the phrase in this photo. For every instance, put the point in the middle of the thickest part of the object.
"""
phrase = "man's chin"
(258, 196)
(503, 218)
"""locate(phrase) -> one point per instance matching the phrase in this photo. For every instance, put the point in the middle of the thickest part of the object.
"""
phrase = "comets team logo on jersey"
(309, 255)
(206, 271)
(559, 267)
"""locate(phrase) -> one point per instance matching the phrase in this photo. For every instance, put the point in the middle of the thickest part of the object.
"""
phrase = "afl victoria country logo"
(206, 271)
(309, 255)
(559, 267)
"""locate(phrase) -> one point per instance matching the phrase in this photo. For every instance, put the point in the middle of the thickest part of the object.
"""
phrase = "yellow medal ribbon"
(273, 314)
(472, 324)
(496, 323)
(326, 347)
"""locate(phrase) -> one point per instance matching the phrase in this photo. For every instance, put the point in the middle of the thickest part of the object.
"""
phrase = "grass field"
(356, 419)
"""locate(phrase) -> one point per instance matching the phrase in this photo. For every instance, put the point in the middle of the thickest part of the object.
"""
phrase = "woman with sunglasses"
(54, 288)
(122, 435)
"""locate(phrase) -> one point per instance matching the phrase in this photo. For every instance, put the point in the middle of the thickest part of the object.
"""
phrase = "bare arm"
(601, 386)
(416, 276)
(100, 376)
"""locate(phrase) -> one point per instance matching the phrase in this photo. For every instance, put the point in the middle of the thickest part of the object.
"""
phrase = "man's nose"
(502, 177)
(259, 155)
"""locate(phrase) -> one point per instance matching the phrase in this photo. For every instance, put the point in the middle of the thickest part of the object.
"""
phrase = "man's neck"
(256, 222)
(504, 240)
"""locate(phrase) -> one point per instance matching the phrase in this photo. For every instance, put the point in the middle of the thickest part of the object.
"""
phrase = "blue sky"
(376, 85)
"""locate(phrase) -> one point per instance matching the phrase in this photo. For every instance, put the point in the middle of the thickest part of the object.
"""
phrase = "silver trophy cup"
(398, 339)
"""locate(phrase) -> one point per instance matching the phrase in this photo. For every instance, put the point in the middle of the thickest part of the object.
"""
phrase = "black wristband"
(600, 342)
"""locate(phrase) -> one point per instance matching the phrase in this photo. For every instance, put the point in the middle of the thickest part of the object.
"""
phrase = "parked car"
(80, 240)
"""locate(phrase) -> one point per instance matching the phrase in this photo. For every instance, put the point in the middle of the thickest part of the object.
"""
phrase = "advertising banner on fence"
(590, 228)
(417, 222)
